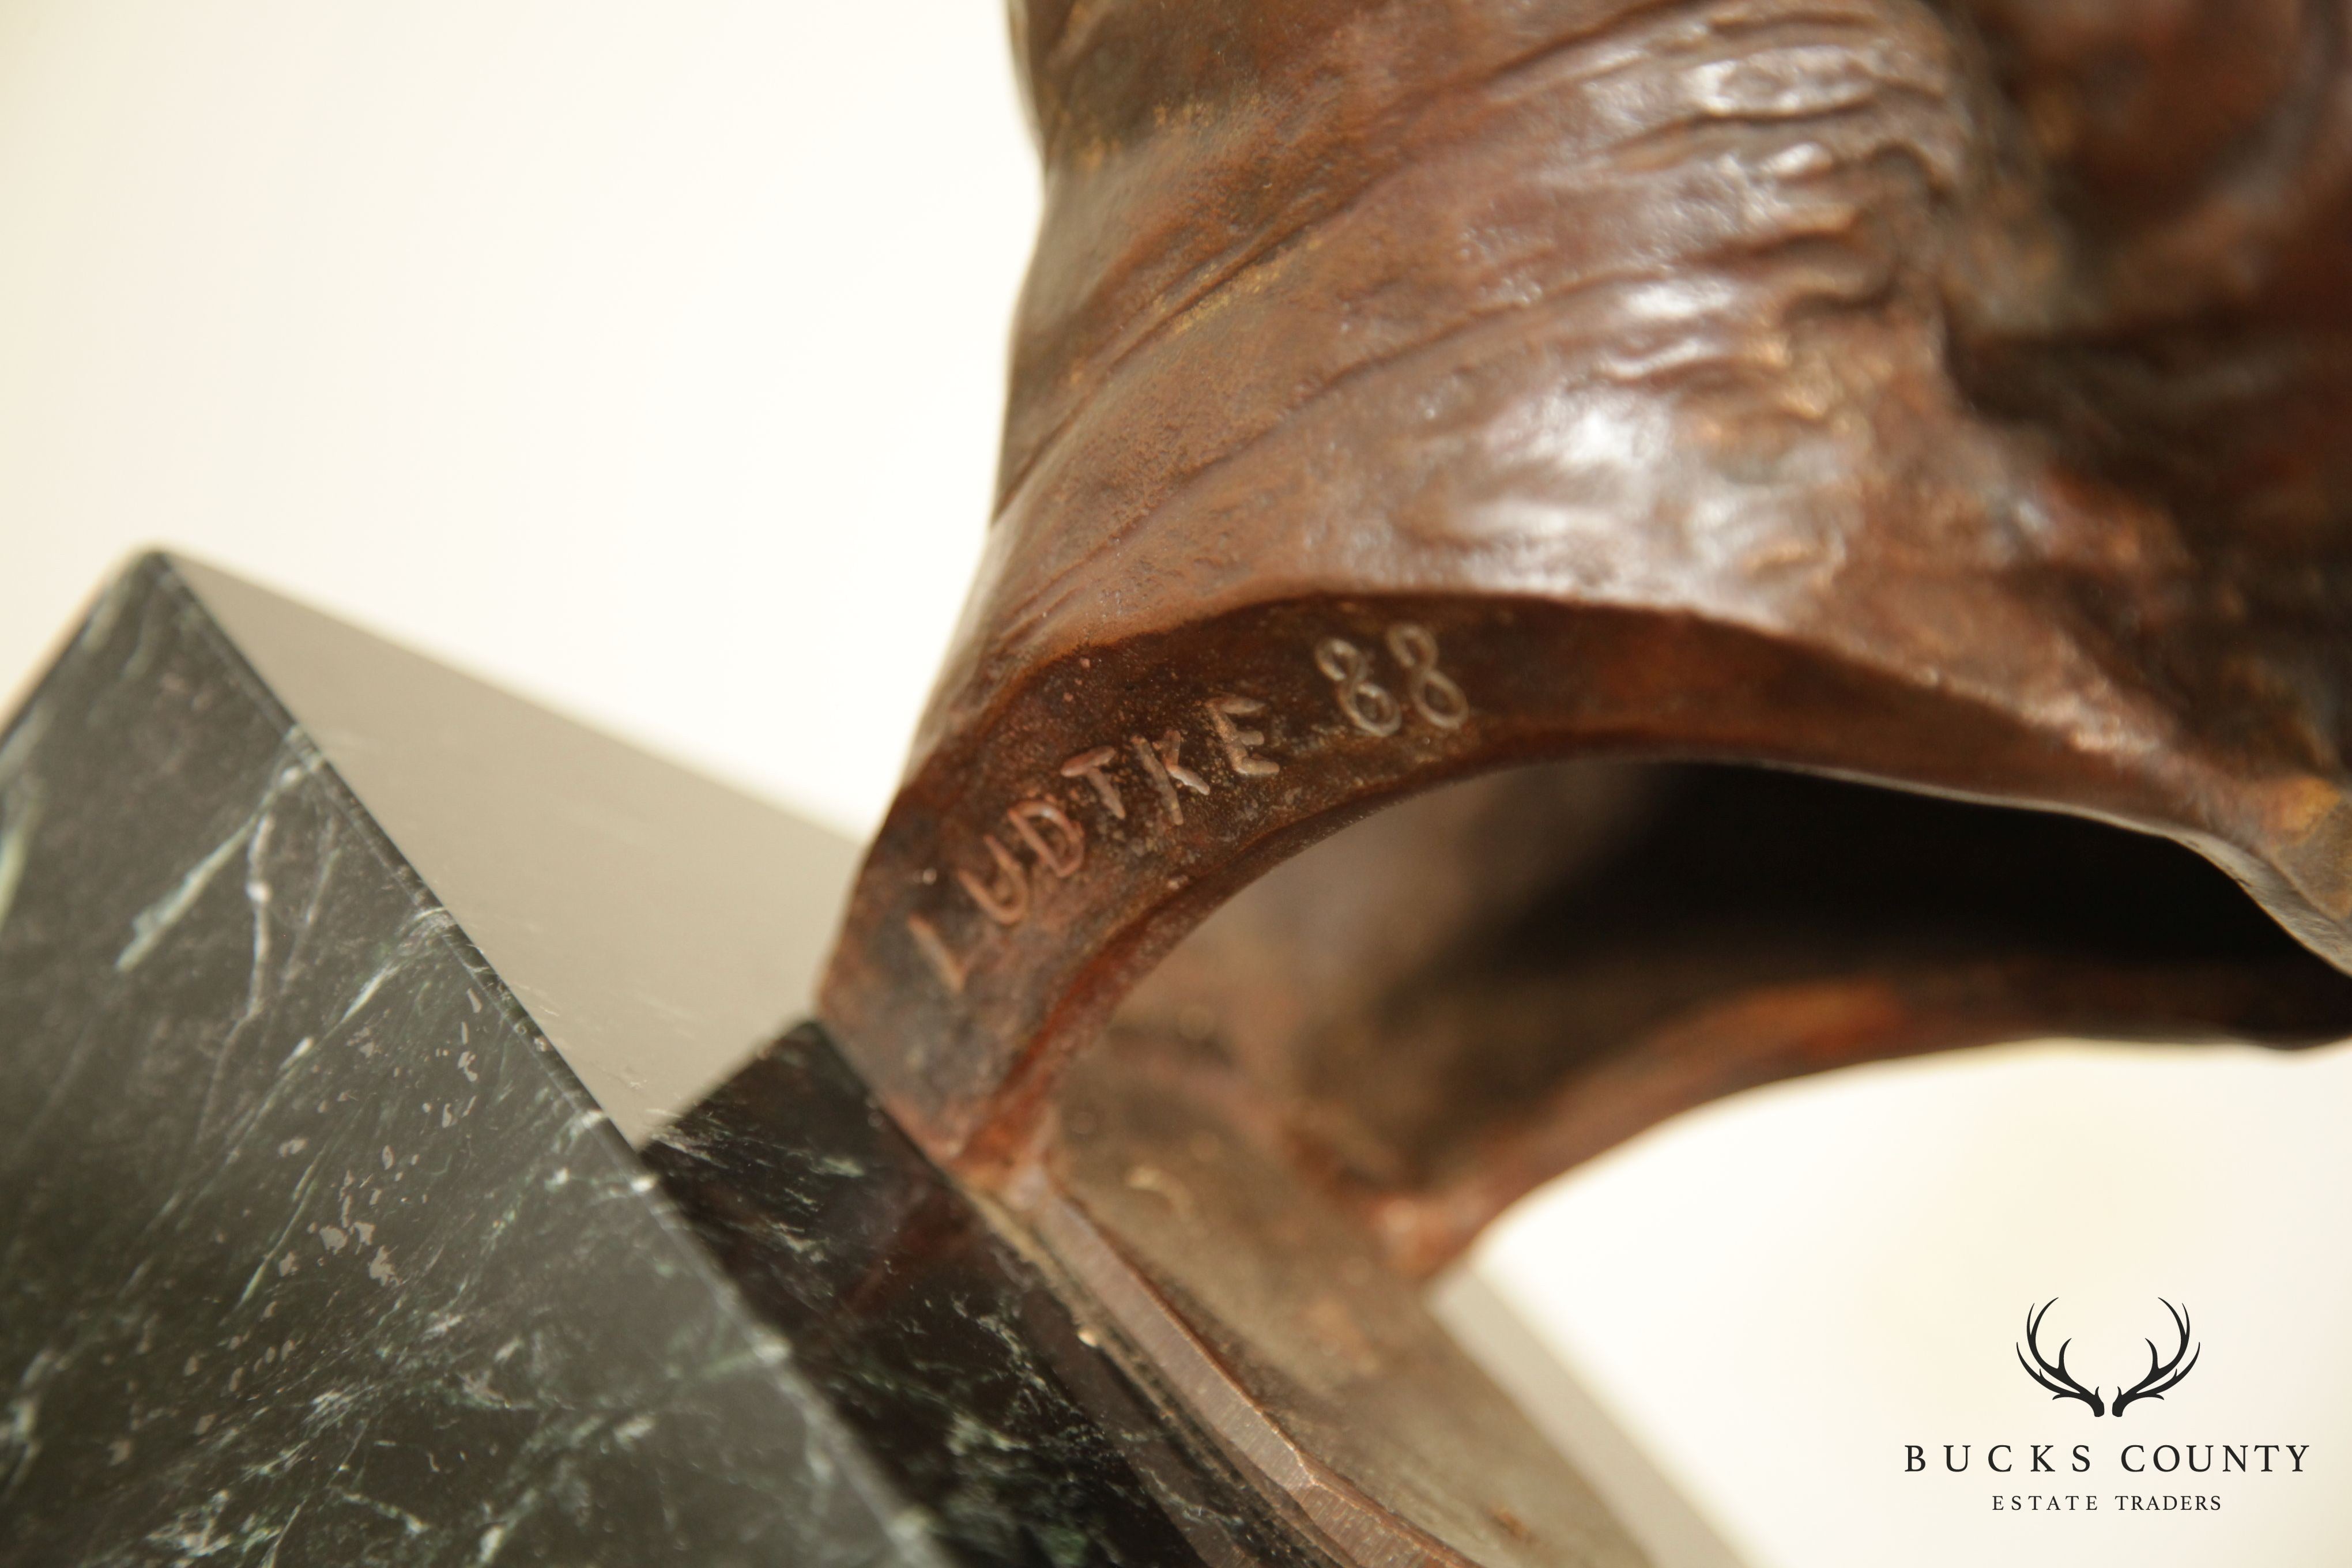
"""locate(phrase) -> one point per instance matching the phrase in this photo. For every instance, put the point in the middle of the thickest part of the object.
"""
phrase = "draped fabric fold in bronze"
(1883, 459)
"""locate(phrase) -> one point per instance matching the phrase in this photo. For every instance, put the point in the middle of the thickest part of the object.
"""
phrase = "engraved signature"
(1003, 889)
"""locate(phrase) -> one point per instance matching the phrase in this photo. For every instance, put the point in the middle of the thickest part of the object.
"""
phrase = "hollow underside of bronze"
(1846, 497)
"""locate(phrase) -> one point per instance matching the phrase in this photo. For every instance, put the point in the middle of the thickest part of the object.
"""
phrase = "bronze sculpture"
(1929, 396)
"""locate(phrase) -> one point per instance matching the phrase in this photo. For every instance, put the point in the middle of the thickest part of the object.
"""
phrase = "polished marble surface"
(317, 1243)
(315, 1251)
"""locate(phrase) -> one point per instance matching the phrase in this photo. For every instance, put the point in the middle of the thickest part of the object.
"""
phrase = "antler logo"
(2054, 1376)
(2162, 1375)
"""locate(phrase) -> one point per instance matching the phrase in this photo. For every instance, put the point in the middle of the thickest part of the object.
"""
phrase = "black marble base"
(937, 1340)
(314, 1249)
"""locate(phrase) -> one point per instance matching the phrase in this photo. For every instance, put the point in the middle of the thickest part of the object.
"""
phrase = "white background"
(647, 359)
(1775, 1295)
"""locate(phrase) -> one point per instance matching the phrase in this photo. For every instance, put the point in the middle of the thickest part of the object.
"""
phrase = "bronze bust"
(1878, 458)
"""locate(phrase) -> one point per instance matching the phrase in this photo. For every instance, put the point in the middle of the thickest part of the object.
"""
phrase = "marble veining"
(314, 1252)
(941, 1341)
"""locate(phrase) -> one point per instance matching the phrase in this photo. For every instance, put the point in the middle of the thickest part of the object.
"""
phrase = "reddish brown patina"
(1946, 397)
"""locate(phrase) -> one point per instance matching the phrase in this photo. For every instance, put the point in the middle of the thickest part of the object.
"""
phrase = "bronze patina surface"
(1938, 405)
